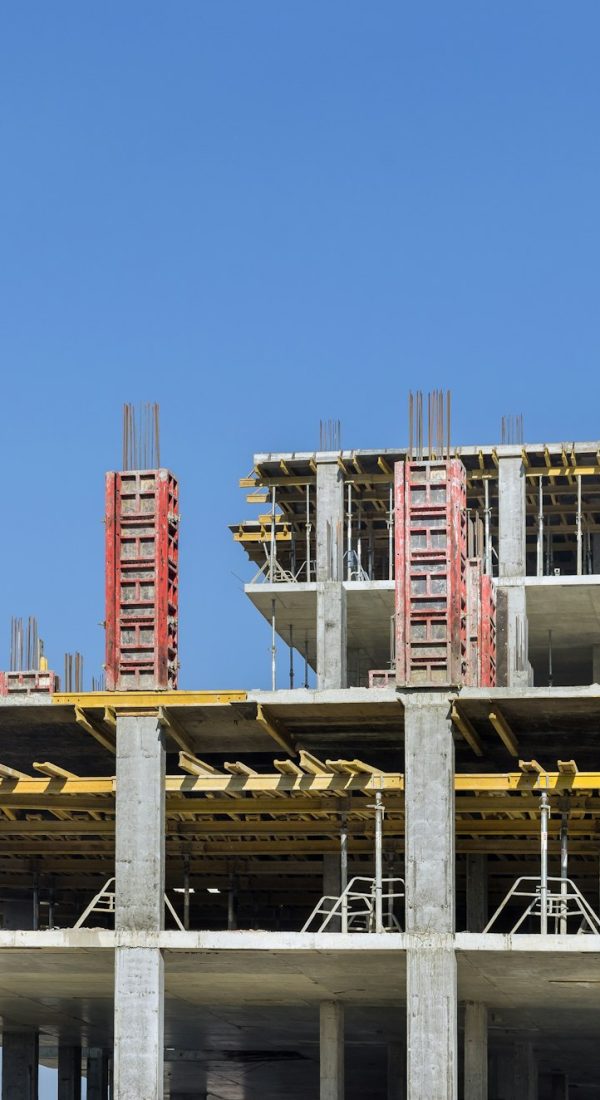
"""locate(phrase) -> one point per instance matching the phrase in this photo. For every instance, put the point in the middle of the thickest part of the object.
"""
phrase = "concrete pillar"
(560, 1086)
(502, 1085)
(20, 1054)
(332, 644)
(526, 1075)
(477, 891)
(396, 1071)
(97, 1074)
(429, 814)
(139, 887)
(595, 553)
(332, 879)
(432, 1040)
(331, 1051)
(69, 1072)
(476, 1052)
(596, 664)
(511, 517)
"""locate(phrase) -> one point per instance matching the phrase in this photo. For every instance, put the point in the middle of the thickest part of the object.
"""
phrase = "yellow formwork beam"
(142, 700)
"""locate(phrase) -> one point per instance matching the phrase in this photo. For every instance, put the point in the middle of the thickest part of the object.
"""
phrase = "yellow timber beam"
(504, 731)
(276, 730)
(142, 700)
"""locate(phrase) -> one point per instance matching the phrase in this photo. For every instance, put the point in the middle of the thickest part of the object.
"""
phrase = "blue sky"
(261, 214)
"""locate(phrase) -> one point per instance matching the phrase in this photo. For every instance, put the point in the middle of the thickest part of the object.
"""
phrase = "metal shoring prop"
(379, 816)
(487, 530)
(349, 535)
(579, 530)
(308, 526)
(291, 657)
(540, 532)
(273, 648)
(306, 661)
(390, 524)
(544, 818)
(273, 540)
(564, 868)
(186, 892)
(344, 868)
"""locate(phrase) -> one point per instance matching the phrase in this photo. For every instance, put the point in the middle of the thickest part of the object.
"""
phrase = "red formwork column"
(430, 573)
(487, 649)
(474, 622)
(142, 552)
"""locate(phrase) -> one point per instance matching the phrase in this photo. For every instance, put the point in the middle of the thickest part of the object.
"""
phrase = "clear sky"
(261, 214)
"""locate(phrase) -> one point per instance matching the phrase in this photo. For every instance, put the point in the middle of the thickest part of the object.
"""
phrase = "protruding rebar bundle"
(439, 411)
(512, 428)
(26, 646)
(141, 437)
(330, 435)
(74, 672)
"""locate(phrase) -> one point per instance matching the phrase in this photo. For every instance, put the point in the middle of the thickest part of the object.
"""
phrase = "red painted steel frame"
(142, 551)
(28, 683)
(487, 648)
(430, 573)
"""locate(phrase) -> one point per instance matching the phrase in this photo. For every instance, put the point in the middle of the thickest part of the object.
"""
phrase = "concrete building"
(163, 851)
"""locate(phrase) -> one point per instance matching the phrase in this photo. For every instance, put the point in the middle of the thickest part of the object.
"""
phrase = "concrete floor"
(241, 1008)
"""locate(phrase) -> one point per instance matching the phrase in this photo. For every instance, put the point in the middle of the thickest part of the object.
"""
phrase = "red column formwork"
(487, 648)
(142, 550)
(473, 579)
(431, 549)
(28, 683)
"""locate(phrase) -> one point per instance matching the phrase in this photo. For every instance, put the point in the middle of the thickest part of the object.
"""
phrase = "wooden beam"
(96, 731)
(276, 730)
(504, 731)
(467, 731)
(167, 719)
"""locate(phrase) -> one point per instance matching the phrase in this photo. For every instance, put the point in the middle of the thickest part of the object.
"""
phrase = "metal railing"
(104, 902)
(554, 907)
(357, 908)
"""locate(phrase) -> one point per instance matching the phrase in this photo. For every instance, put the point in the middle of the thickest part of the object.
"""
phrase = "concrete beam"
(476, 1052)
(331, 1051)
(69, 1072)
(140, 879)
(20, 1055)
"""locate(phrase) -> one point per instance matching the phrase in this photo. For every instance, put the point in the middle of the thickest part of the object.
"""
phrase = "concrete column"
(476, 1052)
(20, 1054)
(97, 1074)
(526, 1075)
(432, 1040)
(396, 1071)
(331, 1051)
(560, 1086)
(140, 878)
(429, 814)
(332, 656)
(332, 886)
(511, 517)
(596, 664)
(477, 891)
(69, 1072)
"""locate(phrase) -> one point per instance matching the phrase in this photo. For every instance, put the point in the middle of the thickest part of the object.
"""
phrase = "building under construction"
(380, 876)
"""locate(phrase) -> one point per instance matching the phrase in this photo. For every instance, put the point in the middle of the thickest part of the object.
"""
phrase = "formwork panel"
(430, 501)
(487, 649)
(142, 553)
